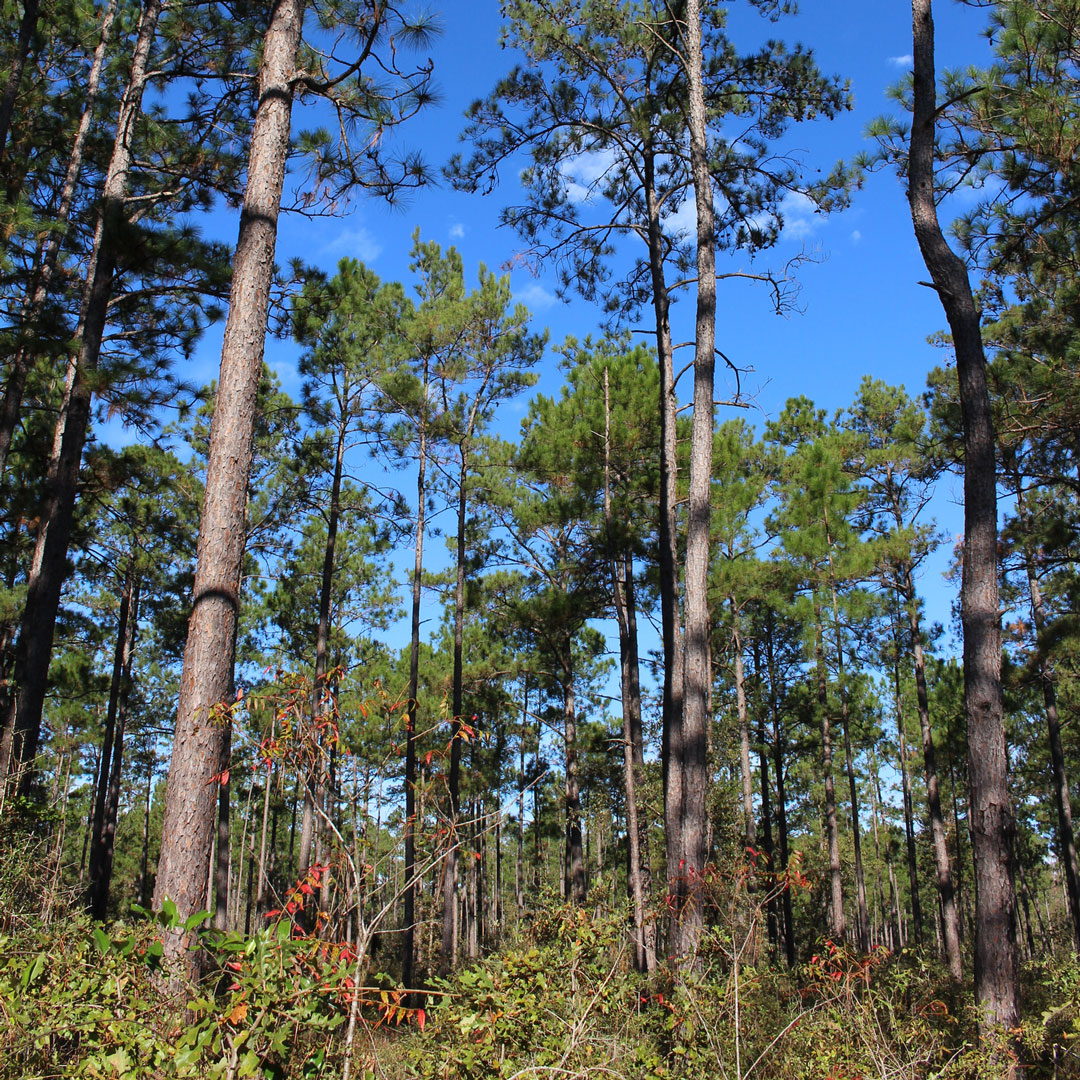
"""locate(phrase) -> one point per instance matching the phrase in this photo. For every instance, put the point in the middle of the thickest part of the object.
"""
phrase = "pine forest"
(539, 539)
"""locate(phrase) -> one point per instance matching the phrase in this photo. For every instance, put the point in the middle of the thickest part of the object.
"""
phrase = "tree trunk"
(206, 685)
(27, 27)
(949, 922)
(30, 317)
(749, 824)
(457, 695)
(997, 975)
(1065, 835)
(34, 649)
(781, 802)
(573, 860)
(408, 938)
(687, 830)
(909, 812)
(837, 922)
(107, 800)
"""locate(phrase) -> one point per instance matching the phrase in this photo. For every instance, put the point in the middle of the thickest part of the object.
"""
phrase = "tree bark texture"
(997, 977)
(687, 829)
(206, 687)
(34, 648)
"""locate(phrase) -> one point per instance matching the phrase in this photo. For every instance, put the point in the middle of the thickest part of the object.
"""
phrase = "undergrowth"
(561, 1001)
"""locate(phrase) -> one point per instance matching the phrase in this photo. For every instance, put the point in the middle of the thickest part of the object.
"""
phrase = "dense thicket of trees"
(683, 668)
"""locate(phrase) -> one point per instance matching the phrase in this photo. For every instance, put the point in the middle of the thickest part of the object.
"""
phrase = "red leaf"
(421, 1019)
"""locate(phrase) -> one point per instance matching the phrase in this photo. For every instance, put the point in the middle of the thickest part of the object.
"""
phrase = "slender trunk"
(997, 973)
(766, 798)
(46, 579)
(107, 800)
(621, 567)
(573, 861)
(408, 938)
(949, 921)
(27, 28)
(781, 801)
(749, 824)
(1065, 836)
(33, 309)
(457, 695)
(863, 919)
(222, 865)
(261, 885)
(837, 922)
(206, 685)
(691, 822)
(519, 881)
(144, 858)
(909, 813)
(671, 631)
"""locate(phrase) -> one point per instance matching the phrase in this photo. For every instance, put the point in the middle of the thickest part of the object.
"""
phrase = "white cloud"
(799, 215)
(904, 61)
(856, 236)
(357, 243)
(457, 231)
(583, 171)
(535, 296)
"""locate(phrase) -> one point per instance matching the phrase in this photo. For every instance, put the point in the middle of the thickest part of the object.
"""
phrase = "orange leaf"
(421, 1019)
(238, 1014)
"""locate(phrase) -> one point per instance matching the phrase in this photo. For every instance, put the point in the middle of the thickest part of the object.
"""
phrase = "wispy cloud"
(904, 61)
(856, 236)
(535, 296)
(358, 243)
(582, 172)
(457, 231)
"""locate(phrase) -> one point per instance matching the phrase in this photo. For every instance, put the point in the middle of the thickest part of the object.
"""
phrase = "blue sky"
(863, 311)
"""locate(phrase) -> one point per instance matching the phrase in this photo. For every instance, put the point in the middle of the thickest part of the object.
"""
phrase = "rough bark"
(997, 978)
(207, 680)
(688, 829)
(34, 649)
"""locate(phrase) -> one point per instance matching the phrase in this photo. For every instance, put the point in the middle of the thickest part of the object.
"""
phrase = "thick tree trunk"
(206, 686)
(687, 830)
(997, 975)
(34, 649)
(107, 800)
